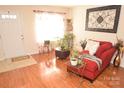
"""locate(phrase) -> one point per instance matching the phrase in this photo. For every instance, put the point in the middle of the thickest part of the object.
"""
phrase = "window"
(48, 26)
(5, 16)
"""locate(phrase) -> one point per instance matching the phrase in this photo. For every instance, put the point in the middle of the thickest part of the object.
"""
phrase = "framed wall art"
(103, 19)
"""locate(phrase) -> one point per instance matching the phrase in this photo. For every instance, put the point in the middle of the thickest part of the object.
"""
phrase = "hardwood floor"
(49, 72)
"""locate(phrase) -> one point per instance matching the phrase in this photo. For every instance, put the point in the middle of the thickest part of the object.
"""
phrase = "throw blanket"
(93, 58)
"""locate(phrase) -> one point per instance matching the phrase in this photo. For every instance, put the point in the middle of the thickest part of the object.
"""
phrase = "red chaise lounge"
(105, 52)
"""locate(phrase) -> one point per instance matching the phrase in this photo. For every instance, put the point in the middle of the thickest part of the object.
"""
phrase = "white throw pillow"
(92, 46)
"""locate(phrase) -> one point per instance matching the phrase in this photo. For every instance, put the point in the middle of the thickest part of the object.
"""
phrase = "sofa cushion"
(90, 65)
(104, 42)
(92, 46)
(84, 52)
(103, 48)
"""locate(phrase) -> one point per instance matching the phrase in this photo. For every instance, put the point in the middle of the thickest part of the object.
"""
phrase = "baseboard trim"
(122, 66)
(2, 59)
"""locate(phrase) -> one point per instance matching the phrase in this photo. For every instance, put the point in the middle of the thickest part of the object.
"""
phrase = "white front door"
(12, 37)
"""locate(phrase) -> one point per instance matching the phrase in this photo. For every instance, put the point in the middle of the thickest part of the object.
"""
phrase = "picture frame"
(103, 19)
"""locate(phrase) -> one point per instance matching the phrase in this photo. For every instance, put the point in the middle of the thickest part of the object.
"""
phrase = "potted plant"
(74, 58)
(65, 45)
(83, 43)
(120, 51)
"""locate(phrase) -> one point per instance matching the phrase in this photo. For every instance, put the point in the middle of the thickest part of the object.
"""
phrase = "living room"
(19, 37)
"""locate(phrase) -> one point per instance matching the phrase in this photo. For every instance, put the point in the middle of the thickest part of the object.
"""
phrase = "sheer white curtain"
(48, 26)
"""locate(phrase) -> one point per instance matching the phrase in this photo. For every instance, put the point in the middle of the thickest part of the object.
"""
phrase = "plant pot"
(62, 54)
(74, 61)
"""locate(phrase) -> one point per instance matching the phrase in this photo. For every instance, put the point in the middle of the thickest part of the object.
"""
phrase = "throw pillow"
(92, 46)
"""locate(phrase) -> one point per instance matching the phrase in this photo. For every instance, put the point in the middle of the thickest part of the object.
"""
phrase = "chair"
(46, 46)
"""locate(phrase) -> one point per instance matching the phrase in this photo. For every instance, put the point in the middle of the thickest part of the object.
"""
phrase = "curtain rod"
(40, 11)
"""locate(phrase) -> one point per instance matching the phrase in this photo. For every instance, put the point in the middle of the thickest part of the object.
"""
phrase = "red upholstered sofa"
(105, 52)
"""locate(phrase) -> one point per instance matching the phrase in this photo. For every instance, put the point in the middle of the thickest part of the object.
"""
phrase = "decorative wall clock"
(103, 19)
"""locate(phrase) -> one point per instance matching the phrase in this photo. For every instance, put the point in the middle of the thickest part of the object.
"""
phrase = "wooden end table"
(78, 69)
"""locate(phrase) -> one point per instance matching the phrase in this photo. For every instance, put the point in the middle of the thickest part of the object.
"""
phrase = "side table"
(78, 69)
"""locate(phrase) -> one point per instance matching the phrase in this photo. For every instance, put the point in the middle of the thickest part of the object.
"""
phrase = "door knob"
(22, 37)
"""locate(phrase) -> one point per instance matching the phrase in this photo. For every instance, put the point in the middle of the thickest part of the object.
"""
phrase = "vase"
(117, 60)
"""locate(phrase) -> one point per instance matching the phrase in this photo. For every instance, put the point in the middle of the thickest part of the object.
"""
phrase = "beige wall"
(1, 50)
(79, 17)
(28, 22)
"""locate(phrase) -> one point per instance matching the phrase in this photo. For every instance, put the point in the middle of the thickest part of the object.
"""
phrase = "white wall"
(79, 17)
(1, 50)
(28, 22)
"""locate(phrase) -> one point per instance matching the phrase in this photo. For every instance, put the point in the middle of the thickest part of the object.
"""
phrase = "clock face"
(102, 19)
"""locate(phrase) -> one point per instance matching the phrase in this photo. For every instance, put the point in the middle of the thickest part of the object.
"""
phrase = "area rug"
(8, 65)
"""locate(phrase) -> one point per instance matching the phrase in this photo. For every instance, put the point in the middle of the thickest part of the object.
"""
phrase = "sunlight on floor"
(49, 67)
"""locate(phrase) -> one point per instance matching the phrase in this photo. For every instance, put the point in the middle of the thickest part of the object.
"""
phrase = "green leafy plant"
(75, 57)
(80, 62)
(75, 54)
(66, 43)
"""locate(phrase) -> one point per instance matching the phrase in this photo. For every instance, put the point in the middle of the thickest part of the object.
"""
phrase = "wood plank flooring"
(50, 72)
